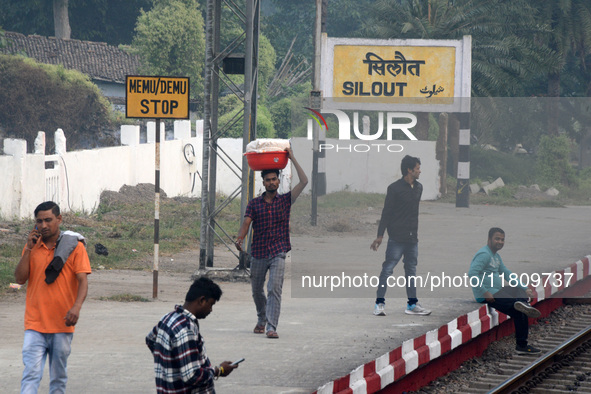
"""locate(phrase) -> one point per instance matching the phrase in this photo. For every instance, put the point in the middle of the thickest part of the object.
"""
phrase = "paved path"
(321, 338)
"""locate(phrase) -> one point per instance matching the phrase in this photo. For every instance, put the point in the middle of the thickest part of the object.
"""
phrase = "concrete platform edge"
(441, 349)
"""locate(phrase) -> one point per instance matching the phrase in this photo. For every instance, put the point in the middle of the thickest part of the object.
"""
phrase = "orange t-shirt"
(47, 305)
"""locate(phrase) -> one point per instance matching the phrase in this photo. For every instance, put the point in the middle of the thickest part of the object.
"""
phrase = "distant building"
(106, 65)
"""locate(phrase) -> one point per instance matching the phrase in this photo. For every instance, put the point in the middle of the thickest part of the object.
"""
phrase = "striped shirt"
(270, 225)
(180, 362)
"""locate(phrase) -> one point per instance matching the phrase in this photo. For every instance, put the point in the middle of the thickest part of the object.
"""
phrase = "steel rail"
(530, 376)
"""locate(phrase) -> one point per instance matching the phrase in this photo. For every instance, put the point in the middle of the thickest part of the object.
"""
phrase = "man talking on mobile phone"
(56, 265)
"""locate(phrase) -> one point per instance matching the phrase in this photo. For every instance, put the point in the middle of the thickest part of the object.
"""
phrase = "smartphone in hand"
(36, 236)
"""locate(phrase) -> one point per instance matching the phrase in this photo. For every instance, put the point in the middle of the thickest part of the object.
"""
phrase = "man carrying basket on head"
(269, 215)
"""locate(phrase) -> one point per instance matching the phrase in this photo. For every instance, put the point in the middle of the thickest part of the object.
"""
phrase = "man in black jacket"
(401, 217)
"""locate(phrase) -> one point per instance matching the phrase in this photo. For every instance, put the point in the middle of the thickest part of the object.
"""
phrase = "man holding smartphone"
(180, 362)
(56, 291)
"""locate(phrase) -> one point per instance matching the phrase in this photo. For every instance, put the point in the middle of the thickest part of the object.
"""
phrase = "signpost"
(403, 76)
(159, 98)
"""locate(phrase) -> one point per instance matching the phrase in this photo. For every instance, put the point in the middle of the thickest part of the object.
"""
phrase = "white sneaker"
(527, 309)
(379, 310)
(416, 309)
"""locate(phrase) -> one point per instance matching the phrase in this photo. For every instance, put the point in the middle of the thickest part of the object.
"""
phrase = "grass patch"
(125, 298)
(343, 200)
(126, 230)
(340, 226)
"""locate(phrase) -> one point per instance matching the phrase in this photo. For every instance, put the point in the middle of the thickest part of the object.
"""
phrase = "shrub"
(45, 97)
(489, 165)
(553, 164)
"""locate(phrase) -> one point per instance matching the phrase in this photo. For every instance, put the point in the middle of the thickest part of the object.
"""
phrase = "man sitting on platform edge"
(493, 289)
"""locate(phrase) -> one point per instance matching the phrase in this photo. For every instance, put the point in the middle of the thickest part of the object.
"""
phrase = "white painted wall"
(371, 171)
(85, 174)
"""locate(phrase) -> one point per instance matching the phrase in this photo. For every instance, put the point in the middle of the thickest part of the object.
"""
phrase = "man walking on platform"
(400, 217)
(269, 215)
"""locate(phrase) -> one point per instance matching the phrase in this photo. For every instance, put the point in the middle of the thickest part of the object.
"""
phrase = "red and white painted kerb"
(394, 365)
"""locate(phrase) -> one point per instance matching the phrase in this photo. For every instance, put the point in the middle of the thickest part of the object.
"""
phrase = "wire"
(67, 182)
(191, 150)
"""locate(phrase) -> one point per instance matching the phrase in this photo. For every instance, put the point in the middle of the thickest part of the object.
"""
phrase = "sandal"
(272, 334)
(259, 329)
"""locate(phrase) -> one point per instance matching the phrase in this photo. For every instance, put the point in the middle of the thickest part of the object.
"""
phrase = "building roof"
(96, 59)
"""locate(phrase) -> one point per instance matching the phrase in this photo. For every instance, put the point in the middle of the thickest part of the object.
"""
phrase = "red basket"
(274, 160)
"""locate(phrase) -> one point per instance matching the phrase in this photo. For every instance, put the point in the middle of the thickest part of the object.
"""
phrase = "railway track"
(563, 367)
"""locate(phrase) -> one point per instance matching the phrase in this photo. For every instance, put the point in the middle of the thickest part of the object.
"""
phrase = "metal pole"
(156, 210)
(206, 132)
(214, 129)
(250, 106)
(316, 88)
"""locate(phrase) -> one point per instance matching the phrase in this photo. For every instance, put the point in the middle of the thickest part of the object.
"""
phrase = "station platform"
(330, 341)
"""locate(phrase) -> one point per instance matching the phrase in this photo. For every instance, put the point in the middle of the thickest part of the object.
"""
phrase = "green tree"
(570, 22)
(504, 48)
(231, 107)
(299, 16)
(344, 18)
(110, 21)
(281, 116)
(267, 60)
(170, 41)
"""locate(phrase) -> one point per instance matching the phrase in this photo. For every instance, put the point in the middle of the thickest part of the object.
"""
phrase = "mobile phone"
(237, 362)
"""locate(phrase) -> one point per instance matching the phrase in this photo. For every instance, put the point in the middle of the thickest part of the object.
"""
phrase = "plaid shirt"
(270, 225)
(180, 362)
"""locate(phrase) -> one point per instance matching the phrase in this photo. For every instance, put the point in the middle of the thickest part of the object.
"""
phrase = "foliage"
(265, 127)
(170, 41)
(570, 21)
(553, 161)
(45, 97)
(109, 21)
(281, 117)
(231, 107)
(299, 15)
(344, 18)
(504, 48)
(2, 39)
(489, 165)
(266, 63)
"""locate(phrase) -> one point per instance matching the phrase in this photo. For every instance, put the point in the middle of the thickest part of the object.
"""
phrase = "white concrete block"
(130, 135)
(40, 143)
(152, 132)
(182, 129)
(59, 139)
(15, 147)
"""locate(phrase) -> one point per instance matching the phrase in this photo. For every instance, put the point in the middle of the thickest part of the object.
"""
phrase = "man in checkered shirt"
(180, 362)
(269, 215)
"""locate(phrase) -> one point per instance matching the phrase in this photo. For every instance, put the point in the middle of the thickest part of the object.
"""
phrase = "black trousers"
(504, 301)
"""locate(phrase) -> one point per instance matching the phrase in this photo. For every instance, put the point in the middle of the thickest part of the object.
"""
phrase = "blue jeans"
(268, 308)
(394, 252)
(36, 347)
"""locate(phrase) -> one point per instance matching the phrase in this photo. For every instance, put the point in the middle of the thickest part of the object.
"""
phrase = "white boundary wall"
(84, 174)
